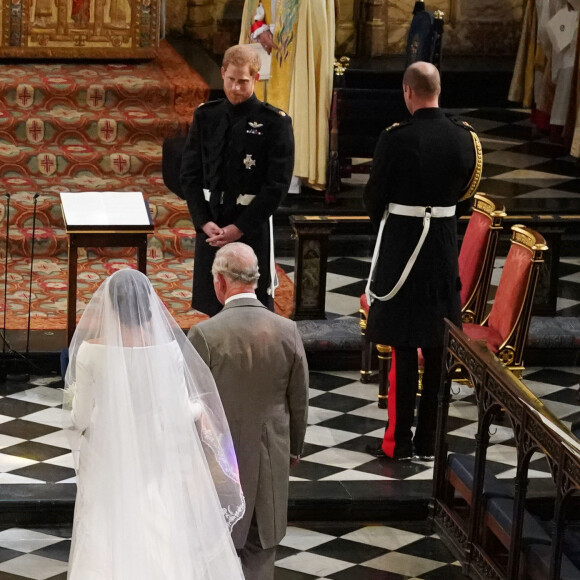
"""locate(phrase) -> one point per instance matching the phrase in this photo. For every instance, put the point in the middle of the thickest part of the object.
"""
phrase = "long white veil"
(158, 486)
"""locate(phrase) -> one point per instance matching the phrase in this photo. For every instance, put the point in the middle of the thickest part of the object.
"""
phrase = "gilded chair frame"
(511, 350)
(475, 306)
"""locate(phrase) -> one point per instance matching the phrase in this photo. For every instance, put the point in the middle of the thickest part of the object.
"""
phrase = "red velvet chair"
(505, 330)
(476, 260)
(477, 256)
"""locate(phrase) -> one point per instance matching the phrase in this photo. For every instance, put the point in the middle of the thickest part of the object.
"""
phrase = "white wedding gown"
(147, 507)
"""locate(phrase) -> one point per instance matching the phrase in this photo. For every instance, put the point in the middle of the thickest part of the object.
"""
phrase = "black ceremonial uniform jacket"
(232, 151)
(430, 160)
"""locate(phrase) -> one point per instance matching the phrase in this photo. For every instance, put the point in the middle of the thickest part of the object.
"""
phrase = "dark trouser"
(257, 562)
(403, 381)
(204, 298)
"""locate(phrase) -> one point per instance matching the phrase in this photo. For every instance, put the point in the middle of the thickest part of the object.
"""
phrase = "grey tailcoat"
(258, 362)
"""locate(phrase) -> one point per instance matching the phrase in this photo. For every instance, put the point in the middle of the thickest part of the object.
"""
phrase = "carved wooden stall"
(79, 29)
(470, 504)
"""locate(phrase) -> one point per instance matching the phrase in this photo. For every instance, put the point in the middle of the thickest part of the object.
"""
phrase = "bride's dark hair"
(129, 291)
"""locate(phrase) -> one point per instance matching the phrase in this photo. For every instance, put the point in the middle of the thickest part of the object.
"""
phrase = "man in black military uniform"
(237, 166)
(422, 168)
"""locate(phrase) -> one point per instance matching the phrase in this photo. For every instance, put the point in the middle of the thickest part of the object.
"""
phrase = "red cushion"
(511, 291)
(491, 336)
(472, 253)
(364, 304)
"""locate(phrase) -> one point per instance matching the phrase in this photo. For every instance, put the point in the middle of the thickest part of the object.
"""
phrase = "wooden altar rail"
(312, 234)
(536, 429)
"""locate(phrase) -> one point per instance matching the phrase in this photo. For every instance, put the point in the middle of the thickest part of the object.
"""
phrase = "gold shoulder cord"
(476, 176)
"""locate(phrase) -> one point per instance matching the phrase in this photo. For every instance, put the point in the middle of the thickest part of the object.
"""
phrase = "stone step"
(63, 125)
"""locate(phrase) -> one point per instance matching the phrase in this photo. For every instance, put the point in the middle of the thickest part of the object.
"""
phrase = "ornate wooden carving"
(534, 427)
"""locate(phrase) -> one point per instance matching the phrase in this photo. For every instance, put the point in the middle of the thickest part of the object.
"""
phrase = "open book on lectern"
(105, 210)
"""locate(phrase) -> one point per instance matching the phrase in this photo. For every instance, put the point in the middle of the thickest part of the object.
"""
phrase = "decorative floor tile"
(313, 564)
(327, 437)
(42, 395)
(340, 458)
(34, 567)
(26, 540)
(386, 537)
(303, 538)
(537, 179)
(403, 564)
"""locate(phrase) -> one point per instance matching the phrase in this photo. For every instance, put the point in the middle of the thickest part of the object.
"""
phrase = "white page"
(105, 208)
(561, 28)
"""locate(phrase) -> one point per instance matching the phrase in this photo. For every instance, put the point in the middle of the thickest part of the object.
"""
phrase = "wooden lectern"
(101, 219)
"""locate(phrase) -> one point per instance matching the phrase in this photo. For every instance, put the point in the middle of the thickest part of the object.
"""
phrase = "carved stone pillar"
(99, 17)
(200, 21)
(345, 27)
(61, 18)
(372, 42)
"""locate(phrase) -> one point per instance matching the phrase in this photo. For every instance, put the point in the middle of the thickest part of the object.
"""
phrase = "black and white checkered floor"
(343, 419)
(309, 552)
(520, 164)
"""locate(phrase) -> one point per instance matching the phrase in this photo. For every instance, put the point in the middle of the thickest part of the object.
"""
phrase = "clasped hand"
(267, 41)
(218, 237)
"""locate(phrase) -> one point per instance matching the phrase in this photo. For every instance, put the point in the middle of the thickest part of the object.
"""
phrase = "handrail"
(514, 386)
(536, 428)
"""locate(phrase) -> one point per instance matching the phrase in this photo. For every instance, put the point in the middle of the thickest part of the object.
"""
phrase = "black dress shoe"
(422, 457)
(377, 451)
(424, 454)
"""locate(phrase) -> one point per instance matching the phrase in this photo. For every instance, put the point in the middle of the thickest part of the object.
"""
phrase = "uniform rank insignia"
(254, 126)
(248, 161)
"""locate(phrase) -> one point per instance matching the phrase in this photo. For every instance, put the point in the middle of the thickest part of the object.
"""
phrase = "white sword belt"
(418, 211)
(244, 199)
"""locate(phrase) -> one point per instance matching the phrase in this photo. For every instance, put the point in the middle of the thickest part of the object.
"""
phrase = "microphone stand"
(36, 196)
(4, 342)
(25, 376)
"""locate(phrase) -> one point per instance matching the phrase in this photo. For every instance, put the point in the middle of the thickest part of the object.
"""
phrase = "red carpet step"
(83, 127)
(90, 127)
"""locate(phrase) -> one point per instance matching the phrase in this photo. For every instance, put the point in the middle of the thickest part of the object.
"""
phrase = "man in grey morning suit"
(258, 362)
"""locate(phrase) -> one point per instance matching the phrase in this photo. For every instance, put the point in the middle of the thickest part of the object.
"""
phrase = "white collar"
(241, 295)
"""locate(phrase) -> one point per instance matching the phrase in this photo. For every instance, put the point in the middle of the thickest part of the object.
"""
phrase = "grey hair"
(237, 262)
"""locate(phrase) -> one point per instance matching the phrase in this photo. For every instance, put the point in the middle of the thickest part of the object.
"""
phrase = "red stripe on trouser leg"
(389, 438)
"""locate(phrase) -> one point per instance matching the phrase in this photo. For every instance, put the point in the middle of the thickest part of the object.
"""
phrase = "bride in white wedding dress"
(158, 487)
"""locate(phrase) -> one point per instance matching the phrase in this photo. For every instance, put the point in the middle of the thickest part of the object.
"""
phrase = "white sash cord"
(410, 211)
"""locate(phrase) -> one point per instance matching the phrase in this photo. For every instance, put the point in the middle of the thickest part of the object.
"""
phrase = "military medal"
(254, 126)
(248, 161)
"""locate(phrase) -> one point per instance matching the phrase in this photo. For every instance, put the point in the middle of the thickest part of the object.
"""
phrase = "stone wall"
(175, 15)
(216, 22)
(472, 27)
